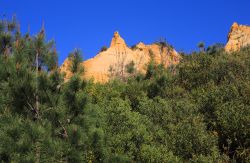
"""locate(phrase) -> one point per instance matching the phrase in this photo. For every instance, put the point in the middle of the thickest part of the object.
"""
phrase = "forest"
(196, 111)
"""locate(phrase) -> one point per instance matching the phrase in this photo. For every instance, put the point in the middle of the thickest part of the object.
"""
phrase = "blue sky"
(90, 24)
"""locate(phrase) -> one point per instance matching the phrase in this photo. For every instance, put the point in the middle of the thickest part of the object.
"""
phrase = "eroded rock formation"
(118, 55)
(238, 37)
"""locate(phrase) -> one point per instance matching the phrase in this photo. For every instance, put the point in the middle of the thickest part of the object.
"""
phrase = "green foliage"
(201, 46)
(199, 113)
(76, 59)
(134, 47)
(103, 49)
(130, 67)
(216, 48)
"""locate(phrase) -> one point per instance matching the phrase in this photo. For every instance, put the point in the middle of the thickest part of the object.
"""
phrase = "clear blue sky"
(90, 24)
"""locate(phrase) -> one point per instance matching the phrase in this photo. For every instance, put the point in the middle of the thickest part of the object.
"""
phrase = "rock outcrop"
(118, 55)
(238, 37)
(65, 68)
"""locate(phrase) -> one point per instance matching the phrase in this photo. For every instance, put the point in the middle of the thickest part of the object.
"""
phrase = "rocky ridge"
(118, 55)
(238, 37)
(114, 59)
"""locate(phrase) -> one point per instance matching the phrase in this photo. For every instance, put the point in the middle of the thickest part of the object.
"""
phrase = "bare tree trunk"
(37, 98)
(38, 152)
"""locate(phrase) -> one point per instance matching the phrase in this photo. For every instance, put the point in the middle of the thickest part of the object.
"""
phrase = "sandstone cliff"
(118, 55)
(238, 37)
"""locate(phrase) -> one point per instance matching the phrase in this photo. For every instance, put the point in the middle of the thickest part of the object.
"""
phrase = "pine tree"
(201, 46)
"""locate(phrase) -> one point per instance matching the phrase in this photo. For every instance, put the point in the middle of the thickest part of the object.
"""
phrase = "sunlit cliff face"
(118, 55)
(238, 37)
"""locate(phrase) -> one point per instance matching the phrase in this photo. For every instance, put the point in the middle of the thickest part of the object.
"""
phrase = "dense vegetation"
(197, 111)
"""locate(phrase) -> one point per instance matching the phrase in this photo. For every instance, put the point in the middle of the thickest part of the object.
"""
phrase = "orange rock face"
(65, 68)
(238, 37)
(118, 55)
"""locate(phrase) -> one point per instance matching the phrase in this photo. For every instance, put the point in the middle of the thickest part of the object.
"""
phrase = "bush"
(103, 49)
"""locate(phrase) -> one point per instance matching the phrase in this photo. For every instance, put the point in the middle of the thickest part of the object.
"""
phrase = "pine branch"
(65, 133)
